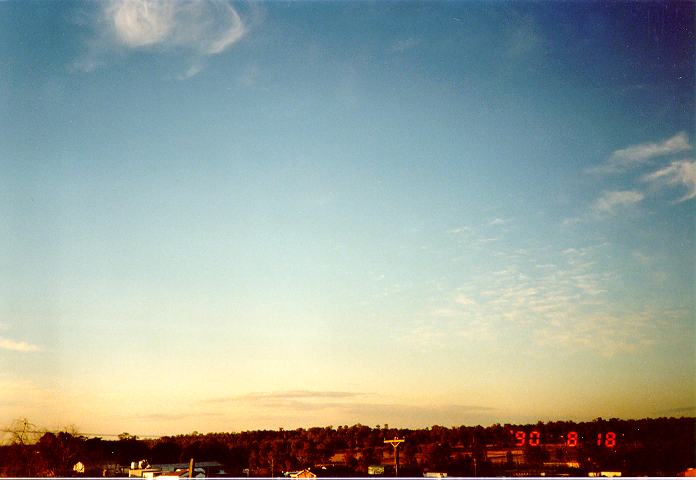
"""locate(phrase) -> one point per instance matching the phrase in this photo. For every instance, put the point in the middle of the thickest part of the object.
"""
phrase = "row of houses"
(175, 471)
(164, 471)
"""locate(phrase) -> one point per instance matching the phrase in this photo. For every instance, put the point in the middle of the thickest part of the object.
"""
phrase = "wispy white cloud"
(498, 221)
(680, 173)
(208, 27)
(17, 346)
(139, 23)
(403, 44)
(191, 72)
(612, 201)
(608, 204)
(198, 29)
(560, 298)
(464, 300)
(635, 155)
(608, 334)
(461, 230)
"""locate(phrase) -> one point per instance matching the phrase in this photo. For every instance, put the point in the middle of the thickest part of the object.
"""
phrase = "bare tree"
(22, 432)
(19, 461)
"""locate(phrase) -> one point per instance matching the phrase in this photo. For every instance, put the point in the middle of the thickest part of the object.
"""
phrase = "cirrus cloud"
(610, 202)
(141, 23)
(198, 29)
(207, 27)
(679, 173)
(636, 155)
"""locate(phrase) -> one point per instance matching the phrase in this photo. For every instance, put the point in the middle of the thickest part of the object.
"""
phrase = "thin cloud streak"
(288, 412)
(191, 72)
(403, 45)
(288, 395)
(498, 221)
(168, 417)
(681, 411)
(678, 173)
(636, 155)
(340, 407)
(610, 202)
(421, 416)
(17, 346)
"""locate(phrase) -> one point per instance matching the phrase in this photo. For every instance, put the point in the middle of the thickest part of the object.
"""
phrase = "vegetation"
(663, 446)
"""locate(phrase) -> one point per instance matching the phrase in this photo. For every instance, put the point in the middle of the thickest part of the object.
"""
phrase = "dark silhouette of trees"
(128, 449)
(166, 451)
(58, 453)
(437, 457)
(663, 446)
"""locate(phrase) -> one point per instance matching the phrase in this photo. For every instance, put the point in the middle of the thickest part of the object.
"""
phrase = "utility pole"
(395, 442)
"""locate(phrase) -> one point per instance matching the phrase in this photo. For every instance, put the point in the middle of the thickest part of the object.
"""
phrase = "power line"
(82, 434)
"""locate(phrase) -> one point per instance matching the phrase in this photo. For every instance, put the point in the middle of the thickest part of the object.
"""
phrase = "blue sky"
(222, 216)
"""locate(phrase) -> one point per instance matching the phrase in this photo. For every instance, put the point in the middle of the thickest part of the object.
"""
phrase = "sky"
(230, 216)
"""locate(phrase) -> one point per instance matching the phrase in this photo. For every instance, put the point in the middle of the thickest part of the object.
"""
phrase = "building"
(143, 469)
(300, 474)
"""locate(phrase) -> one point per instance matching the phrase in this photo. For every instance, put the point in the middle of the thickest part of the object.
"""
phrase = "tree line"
(662, 446)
